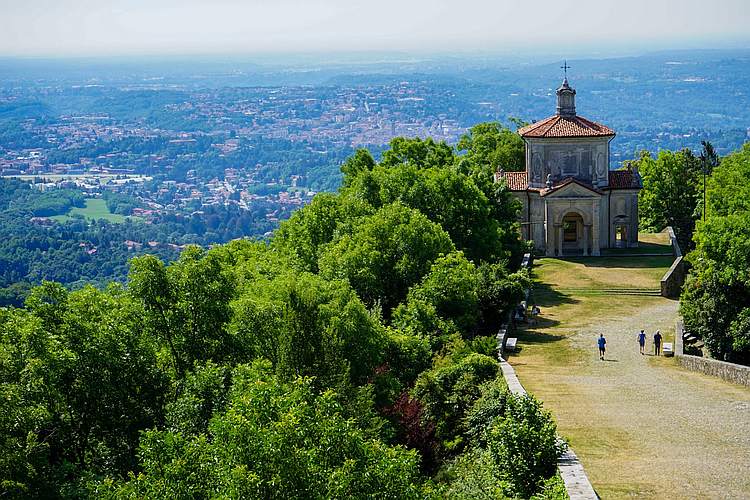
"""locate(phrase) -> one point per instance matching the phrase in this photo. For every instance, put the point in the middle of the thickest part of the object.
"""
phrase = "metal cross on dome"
(565, 68)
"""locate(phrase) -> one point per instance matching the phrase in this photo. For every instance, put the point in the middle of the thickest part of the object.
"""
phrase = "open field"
(95, 209)
(642, 426)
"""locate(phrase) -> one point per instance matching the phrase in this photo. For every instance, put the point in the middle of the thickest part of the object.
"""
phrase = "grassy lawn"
(95, 209)
(638, 423)
(648, 243)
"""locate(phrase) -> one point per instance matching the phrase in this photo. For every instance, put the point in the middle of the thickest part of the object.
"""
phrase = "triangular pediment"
(572, 189)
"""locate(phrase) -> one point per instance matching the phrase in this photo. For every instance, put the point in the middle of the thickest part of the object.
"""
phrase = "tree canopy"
(344, 358)
(715, 302)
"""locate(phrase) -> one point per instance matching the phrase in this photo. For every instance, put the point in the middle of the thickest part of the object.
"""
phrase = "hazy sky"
(91, 27)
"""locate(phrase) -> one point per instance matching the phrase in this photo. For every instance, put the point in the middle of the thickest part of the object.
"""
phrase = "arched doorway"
(620, 231)
(572, 231)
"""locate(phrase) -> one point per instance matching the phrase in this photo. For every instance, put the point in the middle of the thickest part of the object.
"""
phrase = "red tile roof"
(618, 179)
(623, 179)
(517, 181)
(566, 126)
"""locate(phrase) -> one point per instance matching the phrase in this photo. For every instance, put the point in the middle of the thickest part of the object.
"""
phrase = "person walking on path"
(602, 342)
(657, 343)
(642, 341)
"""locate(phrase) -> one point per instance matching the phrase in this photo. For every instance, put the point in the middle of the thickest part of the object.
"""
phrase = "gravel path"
(641, 425)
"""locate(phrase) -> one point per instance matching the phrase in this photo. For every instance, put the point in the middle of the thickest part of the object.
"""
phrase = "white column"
(585, 240)
(549, 231)
(595, 229)
(561, 236)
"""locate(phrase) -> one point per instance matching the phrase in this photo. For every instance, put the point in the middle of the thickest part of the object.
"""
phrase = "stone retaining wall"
(674, 278)
(731, 372)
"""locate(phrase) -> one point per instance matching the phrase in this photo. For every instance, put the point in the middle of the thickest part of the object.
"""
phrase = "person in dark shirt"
(657, 343)
(642, 340)
(602, 342)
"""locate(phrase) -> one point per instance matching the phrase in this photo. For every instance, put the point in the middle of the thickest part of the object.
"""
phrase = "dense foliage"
(344, 359)
(715, 303)
(671, 193)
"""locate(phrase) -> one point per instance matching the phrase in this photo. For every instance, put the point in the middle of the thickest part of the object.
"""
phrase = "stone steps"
(653, 292)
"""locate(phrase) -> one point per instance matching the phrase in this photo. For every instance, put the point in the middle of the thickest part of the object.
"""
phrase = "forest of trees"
(350, 356)
(715, 302)
(62, 252)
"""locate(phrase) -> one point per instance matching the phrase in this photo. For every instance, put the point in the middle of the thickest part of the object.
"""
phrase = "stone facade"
(572, 203)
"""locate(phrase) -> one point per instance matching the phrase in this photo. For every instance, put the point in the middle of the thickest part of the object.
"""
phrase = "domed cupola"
(566, 99)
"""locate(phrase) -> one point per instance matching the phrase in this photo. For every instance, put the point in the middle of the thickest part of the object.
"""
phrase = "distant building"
(572, 202)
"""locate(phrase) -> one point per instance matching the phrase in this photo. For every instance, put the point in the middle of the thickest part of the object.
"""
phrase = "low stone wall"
(730, 372)
(673, 241)
(674, 278)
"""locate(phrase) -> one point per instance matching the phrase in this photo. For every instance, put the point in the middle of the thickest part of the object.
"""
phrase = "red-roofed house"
(572, 202)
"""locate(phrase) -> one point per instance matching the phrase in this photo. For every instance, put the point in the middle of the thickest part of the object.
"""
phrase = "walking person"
(657, 343)
(602, 342)
(642, 341)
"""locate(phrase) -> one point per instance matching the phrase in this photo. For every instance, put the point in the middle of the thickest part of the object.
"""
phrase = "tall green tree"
(715, 302)
(275, 440)
(386, 254)
(78, 390)
(187, 305)
(671, 192)
(491, 146)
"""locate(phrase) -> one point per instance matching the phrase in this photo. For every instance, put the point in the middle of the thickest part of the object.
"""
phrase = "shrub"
(524, 444)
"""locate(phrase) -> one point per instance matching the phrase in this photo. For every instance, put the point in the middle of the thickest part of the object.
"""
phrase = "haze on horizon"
(107, 27)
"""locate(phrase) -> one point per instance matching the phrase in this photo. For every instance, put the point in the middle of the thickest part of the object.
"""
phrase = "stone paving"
(642, 426)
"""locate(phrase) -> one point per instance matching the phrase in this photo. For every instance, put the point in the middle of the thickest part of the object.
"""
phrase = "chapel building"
(572, 203)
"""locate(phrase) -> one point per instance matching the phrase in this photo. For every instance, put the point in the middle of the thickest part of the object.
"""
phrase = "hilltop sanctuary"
(572, 202)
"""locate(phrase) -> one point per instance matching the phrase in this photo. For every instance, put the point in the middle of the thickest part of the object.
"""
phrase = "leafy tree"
(729, 185)
(385, 254)
(446, 197)
(716, 297)
(311, 227)
(308, 326)
(201, 394)
(498, 290)
(451, 287)
(449, 390)
(474, 474)
(670, 193)
(275, 440)
(78, 389)
(187, 305)
(523, 443)
(421, 153)
(361, 161)
(489, 405)
(490, 146)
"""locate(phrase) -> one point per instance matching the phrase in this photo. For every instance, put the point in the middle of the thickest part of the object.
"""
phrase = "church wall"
(538, 215)
(522, 215)
(531, 217)
(605, 236)
(623, 210)
(586, 159)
